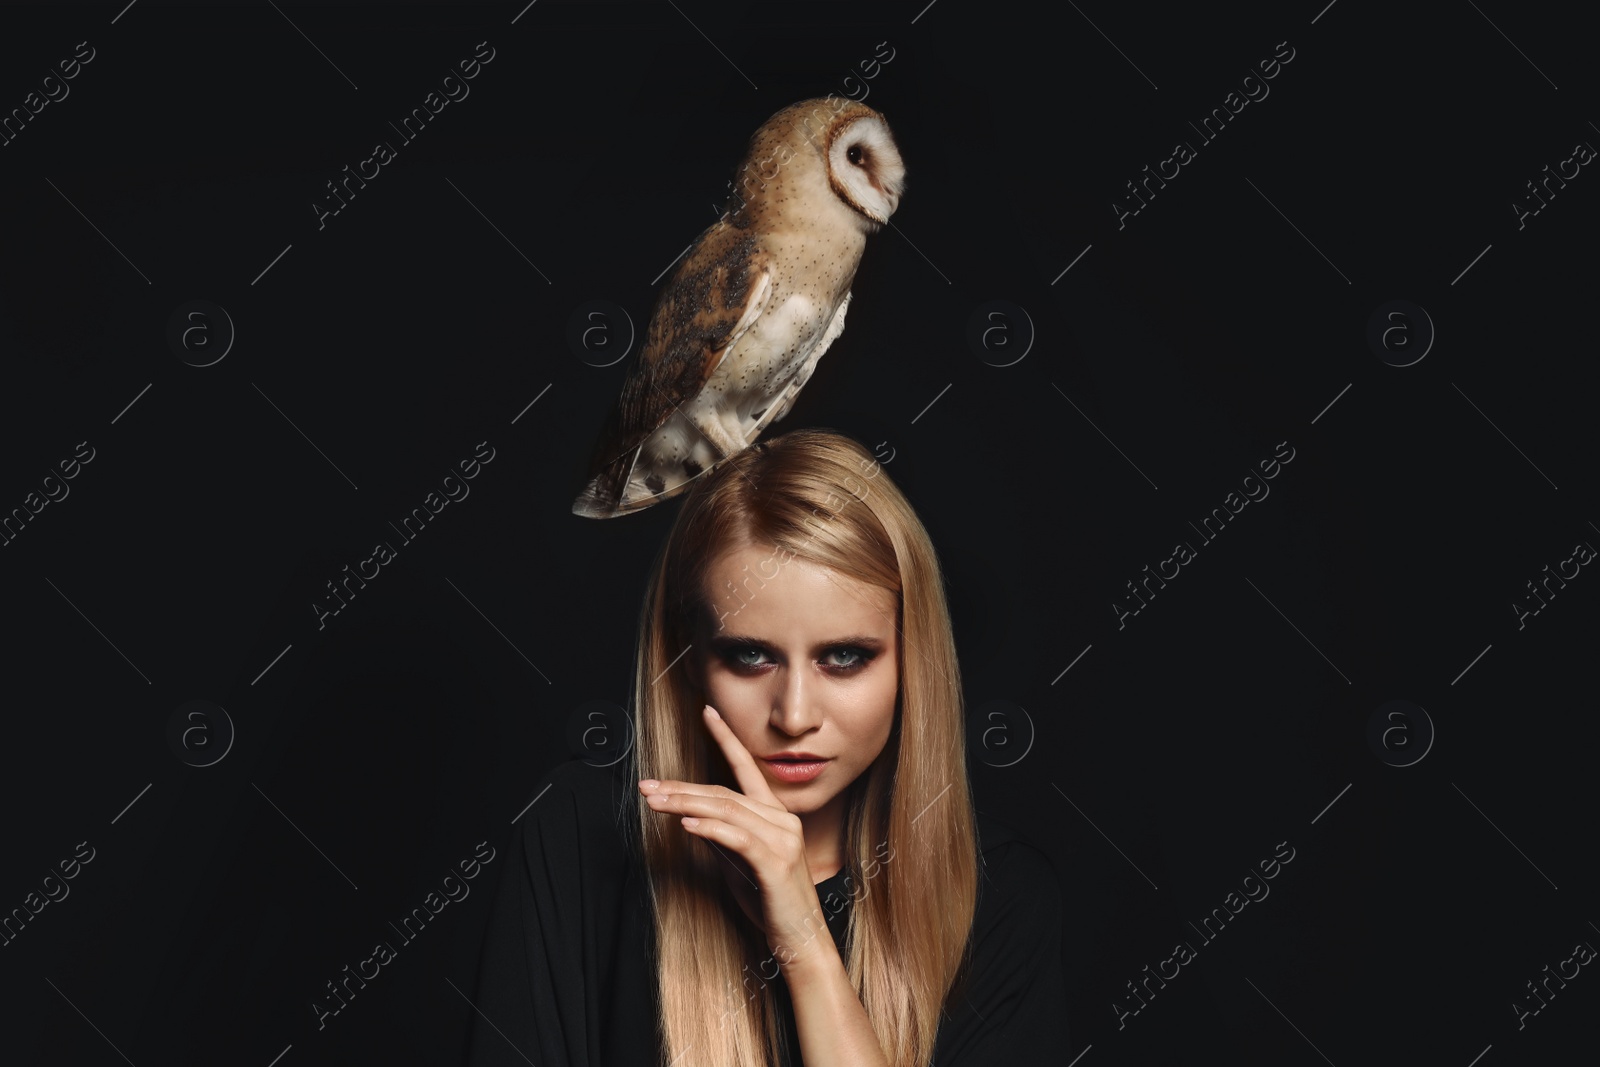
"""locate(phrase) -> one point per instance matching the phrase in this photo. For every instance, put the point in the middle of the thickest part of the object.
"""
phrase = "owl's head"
(815, 153)
(864, 165)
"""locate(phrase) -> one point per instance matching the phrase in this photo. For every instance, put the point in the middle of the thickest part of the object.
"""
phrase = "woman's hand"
(773, 882)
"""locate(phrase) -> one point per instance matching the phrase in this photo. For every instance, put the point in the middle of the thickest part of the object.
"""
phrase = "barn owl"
(757, 300)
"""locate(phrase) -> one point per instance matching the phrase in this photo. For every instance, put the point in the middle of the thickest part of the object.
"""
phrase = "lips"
(796, 766)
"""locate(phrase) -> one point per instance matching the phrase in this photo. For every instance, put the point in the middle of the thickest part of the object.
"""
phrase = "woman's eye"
(853, 658)
(841, 660)
(740, 654)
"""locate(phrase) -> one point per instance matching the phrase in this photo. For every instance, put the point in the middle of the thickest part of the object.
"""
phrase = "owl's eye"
(854, 154)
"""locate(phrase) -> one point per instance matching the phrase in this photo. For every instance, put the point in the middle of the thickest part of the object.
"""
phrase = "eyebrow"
(864, 640)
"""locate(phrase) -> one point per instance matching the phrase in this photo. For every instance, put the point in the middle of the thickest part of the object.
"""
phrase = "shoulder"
(1018, 880)
(578, 809)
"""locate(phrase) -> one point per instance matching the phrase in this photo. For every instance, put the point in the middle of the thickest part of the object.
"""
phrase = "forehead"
(778, 595)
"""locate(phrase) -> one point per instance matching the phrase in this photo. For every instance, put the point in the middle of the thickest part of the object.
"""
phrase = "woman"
(790, 869)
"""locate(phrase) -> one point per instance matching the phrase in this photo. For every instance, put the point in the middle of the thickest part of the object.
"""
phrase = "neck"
(824, 834)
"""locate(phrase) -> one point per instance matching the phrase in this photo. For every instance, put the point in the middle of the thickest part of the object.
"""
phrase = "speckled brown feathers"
(758, 298)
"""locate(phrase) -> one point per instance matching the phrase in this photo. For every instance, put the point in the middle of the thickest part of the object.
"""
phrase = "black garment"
(566, 980)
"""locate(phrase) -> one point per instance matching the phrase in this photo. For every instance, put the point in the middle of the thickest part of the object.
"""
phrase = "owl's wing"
(721, 289)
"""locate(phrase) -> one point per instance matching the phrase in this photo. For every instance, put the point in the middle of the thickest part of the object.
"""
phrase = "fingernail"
(649, 784)
(713, 712)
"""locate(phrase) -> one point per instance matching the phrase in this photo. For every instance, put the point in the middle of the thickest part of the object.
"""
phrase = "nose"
(794, 706)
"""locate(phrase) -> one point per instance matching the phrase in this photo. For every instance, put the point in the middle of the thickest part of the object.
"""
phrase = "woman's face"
(805, 661)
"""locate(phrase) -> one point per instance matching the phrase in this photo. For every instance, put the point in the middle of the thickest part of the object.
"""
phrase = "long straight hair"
(910, 841)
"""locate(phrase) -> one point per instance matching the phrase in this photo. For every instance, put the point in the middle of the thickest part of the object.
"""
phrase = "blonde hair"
(821, 497)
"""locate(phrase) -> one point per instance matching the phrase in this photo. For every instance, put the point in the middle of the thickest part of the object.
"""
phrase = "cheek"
(871, 710)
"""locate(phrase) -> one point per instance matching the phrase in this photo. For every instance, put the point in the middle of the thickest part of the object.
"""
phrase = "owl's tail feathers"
(602, 498)
(659, 468)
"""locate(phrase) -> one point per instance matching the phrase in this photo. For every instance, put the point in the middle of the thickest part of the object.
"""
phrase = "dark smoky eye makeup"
(746, 654)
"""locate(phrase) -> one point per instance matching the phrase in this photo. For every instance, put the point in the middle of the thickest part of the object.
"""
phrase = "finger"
(747, 843)
(751, 781)
(728, 808)
(773, 813)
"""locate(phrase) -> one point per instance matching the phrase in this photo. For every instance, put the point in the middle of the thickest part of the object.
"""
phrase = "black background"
(1177, 352)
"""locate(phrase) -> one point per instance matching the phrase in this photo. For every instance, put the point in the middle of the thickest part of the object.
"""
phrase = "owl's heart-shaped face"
(864, 166)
